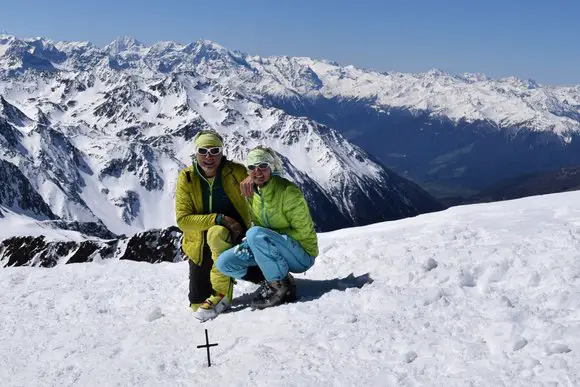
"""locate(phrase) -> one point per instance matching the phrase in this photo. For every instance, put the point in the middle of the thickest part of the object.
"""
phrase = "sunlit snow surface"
(482, 295)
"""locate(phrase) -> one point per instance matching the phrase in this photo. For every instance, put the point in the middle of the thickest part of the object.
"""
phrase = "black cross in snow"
(207, 345)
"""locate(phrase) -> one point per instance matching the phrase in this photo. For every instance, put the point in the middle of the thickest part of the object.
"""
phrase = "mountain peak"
(472, 97)
(208, 44)
(435, 72)
(4, 38)
(123, 43)
(475, 77)
(206, 48)
(520, 83)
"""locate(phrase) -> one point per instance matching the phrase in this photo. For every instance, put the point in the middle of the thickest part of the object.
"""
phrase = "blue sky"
(527, 39)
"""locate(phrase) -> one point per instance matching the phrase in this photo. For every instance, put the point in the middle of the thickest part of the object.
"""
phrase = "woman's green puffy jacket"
(280, 205)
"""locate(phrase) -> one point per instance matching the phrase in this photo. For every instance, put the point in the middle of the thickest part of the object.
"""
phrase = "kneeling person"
(213, 216)
(282, 239)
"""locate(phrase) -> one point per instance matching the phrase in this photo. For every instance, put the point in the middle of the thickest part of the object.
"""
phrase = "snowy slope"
(482, 295)
(18, 224)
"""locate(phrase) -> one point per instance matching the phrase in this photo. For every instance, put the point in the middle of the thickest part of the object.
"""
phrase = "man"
(282, 240)
(213, 216)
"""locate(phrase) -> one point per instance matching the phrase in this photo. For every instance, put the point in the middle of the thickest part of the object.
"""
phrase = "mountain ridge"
(451, 134)
(111, 140)
(516, 102)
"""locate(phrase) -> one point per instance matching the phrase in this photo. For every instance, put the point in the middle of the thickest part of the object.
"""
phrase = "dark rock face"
(140, 161)
(126, 96)
(153, 246)
(64, 160)
(17, 193)
(12, 113)
(189, 131)
(130, 204)
(10, 136)
(20, 251)
(56, 160)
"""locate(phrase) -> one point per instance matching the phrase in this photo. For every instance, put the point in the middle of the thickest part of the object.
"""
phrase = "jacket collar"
(268, 186)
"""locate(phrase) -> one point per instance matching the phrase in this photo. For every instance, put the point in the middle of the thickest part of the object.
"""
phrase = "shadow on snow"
(309, 290)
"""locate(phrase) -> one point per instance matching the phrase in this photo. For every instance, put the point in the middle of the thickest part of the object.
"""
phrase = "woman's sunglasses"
(261, 166)
(212, 151)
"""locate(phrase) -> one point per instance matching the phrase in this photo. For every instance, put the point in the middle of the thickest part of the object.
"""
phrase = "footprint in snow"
(507, 302)
(432, 296)
(466, 280)
(430, 264)
(155, 314)
(519, 344)
(410, 356)
(534, 279)
(554, 348)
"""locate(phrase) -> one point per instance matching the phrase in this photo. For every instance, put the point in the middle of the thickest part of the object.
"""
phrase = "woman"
(282, 237)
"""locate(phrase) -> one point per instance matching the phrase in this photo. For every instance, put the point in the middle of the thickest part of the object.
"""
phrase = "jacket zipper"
(211, 195)
(203, 234)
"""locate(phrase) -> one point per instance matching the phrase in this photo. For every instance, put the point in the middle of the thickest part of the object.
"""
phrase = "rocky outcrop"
(153, 246)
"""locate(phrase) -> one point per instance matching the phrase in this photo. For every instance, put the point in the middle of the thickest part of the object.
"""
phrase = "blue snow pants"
(275, 254)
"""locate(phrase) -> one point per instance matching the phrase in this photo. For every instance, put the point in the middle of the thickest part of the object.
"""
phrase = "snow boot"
(275, 293)
(211, 307)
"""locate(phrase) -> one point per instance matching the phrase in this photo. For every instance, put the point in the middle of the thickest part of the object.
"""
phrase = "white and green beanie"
(262, 154)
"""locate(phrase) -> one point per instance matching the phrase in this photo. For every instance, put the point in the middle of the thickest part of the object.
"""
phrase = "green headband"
(206, 140)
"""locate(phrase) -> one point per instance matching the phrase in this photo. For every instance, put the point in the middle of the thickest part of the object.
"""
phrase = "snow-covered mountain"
(505, 103)
(477, 295)
(451, 133)
(100, 135)
(17, 194)
(467, 98)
